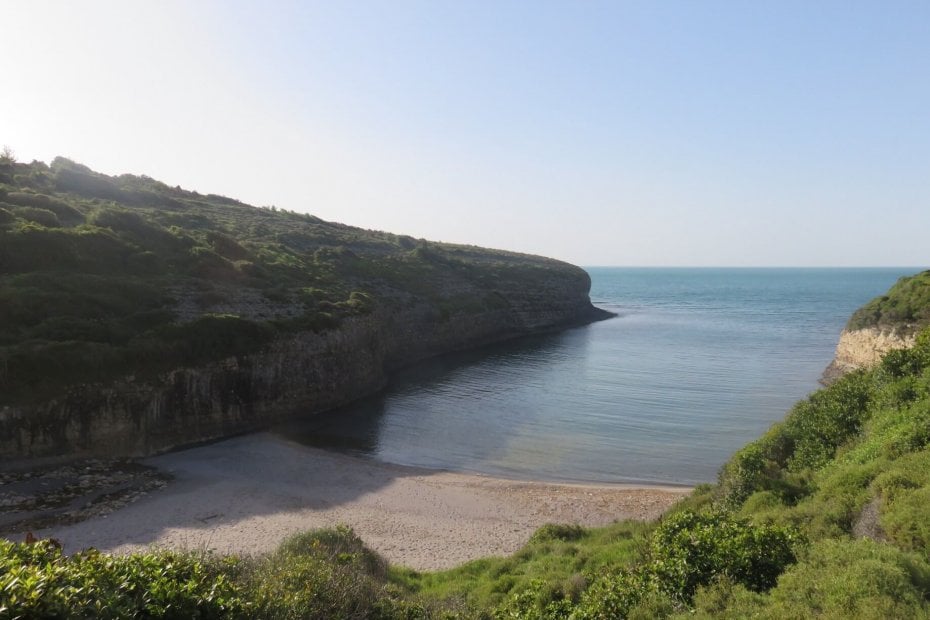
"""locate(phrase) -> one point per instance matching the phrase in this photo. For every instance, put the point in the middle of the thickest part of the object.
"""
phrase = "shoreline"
(247, 494)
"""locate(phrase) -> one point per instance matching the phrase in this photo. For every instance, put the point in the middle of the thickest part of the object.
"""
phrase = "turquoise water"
(698, 362)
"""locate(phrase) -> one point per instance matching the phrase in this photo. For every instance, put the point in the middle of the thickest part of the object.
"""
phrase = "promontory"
(136, 317)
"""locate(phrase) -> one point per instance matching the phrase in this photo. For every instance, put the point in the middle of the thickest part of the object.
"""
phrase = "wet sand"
(245, 495)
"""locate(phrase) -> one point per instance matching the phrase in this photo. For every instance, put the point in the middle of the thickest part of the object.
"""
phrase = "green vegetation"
(102, 277)
(823, 516)
(904, 308)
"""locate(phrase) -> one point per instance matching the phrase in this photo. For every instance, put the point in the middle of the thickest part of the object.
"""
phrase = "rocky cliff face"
(307, 372)
(861, 348)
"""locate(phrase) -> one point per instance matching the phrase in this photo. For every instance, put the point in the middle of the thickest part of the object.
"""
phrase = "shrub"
(67, 214)
(321, 574)
(226, 246)
(826, 420)
(37, 581)
(215, 336)
(906, 305)
(691, 549)
(853, 579)
(43, 217)
(555, 531)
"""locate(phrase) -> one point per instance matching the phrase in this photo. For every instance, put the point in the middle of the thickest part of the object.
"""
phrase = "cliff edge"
(136, 317)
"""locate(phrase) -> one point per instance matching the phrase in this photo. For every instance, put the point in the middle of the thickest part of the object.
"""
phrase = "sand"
(245, 495)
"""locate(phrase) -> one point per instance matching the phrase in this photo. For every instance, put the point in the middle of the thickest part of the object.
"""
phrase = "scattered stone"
(66, 494)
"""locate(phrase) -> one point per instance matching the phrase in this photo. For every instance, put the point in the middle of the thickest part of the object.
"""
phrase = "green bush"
(6, 216)
(40, 216)
(556, 531)
(37, 581)
(905, 307)
(853, 579)
(321, 574)
(688, 551)
(66, 213)
(214, 336)
(692, 549)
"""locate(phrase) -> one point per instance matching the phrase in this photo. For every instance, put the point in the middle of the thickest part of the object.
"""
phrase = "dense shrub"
(826, 420)
(687, 551)
(6, 216)
(807, 439)
(40, 216)
(692, 549)
(66, 213)
(322, 574)
(214, 336)
(37, 581)
(226, 246)
(905, 307)
(556, 531)
(853, 579)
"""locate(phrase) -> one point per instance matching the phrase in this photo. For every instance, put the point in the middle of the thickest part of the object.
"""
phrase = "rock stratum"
(137, 317)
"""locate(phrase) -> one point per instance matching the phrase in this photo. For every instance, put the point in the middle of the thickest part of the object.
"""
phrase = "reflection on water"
(698, 363)
(424, 416)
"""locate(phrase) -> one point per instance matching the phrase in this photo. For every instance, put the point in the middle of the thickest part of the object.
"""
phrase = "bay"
(697, 363)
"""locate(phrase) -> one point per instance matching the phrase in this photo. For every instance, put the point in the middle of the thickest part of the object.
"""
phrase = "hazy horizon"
(605, 134)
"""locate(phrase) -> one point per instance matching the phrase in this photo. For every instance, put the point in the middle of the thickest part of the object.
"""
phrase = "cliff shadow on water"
(415, 405)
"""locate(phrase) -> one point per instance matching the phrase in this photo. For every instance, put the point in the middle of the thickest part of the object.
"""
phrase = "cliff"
(137, 317)
(888, 322)
(863, 348)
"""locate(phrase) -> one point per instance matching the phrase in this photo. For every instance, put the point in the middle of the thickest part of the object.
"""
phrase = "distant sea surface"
(698, 363)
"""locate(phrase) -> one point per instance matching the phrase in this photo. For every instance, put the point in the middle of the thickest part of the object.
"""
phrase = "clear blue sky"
(603, 133)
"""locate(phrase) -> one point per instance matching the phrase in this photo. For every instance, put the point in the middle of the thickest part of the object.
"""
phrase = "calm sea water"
(698, 362)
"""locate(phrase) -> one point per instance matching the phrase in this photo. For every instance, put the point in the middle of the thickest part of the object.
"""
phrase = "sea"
(697, 362)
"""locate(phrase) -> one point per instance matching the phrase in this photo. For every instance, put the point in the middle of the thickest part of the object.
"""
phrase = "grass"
(557, 560)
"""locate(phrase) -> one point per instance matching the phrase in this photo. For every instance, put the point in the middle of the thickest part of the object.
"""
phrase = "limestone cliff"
(862, 348)
(305, 372)
(890, 321)
(136, 316)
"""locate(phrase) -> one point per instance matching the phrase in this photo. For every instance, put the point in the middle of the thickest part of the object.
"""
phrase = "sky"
(654, 133)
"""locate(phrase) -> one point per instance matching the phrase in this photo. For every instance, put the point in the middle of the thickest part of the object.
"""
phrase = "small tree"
(7, 156)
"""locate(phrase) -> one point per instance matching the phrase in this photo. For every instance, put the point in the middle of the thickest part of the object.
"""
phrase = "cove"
(698, 362)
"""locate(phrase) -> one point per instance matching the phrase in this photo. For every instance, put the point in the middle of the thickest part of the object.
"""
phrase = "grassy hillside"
(823, 516)
(102, 276)
(905, 308)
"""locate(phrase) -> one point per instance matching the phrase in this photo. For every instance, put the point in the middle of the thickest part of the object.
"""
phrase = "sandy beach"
(245, 495)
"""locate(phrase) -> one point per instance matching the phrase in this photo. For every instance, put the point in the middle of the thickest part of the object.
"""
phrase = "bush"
(904, 307)
(321, 574)
(555, 531)
(226, 246)
(43, 217)
(215, 336)
(692, 549)
(6, 216)
(853, 579)
(119, 220)
(37, 581)
(65, 212)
